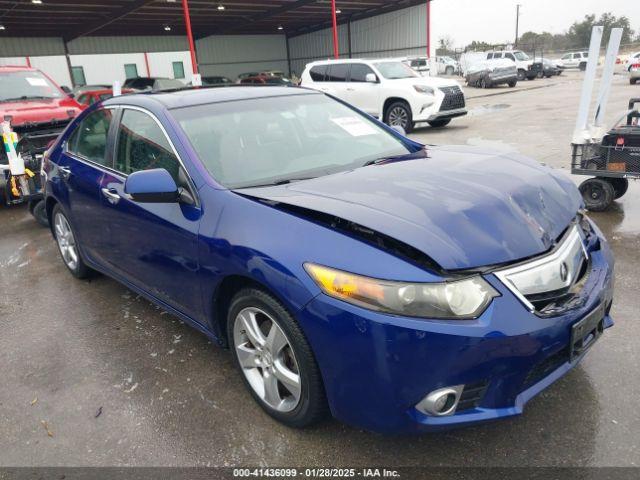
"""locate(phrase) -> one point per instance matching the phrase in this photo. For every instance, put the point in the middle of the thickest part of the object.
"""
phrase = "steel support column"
(192, 46)
(336, 46)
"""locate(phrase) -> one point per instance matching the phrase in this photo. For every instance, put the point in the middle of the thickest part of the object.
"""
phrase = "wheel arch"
(221, 301)
(390, 101)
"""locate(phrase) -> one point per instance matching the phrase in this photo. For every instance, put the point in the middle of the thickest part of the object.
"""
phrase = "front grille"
(471, 396)
(546, 366)
(453, 98)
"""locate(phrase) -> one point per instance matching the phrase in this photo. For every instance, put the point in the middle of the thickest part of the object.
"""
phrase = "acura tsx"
(349, 270)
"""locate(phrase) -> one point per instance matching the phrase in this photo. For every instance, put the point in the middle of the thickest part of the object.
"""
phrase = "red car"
(90, 97)
(38, 110)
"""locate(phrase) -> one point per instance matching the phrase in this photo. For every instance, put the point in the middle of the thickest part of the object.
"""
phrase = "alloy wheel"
(66, 241)
(267, 359)
(398, 117)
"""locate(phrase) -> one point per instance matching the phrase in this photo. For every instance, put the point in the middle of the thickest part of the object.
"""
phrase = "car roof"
(189, 97)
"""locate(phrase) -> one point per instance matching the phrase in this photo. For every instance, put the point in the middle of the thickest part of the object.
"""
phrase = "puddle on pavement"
(485, 109)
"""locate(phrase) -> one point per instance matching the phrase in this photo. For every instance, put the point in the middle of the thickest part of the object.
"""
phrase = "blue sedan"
(349, 270)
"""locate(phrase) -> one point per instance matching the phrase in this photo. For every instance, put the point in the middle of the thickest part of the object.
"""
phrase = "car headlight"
(458, 300)
(423, 89)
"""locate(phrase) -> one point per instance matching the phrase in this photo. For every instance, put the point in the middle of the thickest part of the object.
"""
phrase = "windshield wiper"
(25, 97)
(278, 182)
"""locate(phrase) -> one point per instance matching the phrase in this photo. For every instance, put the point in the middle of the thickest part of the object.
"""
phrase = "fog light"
(441, 402)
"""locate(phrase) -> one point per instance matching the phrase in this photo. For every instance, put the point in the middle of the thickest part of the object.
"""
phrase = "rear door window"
(338, 72)
(89, 141)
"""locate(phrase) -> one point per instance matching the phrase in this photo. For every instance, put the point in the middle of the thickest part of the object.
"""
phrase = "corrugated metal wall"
(231, 55)
(395, 34)
(133, 44)
(22, 46)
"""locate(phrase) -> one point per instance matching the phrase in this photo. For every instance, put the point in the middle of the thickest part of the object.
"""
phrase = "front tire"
(597, 193)
(275, 360)
(68, 244)
(448, 71)
(399, 114)
(633, 81)
(512, 84)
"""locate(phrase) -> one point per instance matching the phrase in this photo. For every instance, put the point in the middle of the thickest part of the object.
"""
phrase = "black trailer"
(612, 161)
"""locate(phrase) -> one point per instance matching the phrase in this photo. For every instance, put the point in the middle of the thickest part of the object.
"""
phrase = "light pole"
(517, 22)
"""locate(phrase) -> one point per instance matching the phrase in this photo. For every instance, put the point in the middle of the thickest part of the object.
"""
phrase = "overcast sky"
(494, 20)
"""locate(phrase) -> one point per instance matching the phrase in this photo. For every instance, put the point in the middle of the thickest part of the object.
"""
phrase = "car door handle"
(351, 89)
(65, 172)
(111, 195)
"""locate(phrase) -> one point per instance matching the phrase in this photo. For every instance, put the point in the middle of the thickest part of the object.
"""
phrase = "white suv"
(575, 60)
(388, 90)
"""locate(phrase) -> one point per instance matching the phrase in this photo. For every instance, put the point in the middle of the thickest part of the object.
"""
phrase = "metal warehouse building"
(100, 41)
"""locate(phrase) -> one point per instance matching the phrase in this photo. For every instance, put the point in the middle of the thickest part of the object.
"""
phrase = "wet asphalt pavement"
(120, 382)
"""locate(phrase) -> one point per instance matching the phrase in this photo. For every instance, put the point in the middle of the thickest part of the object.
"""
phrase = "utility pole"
(517, 22)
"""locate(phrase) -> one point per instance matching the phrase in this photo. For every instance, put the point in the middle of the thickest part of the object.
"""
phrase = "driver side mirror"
(152, 186)
(371, 78)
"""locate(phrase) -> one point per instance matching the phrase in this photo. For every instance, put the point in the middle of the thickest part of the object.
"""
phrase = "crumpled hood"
(463, 207)
(39, 111)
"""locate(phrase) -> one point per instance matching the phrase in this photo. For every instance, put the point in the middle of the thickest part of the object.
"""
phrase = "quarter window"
(90, 138)
(142, 145)
(359, 72)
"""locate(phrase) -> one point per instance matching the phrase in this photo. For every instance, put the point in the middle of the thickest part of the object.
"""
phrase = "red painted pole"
(428, 28)
(192, 47)
(28, 62)
(146, 64)
(336, 47)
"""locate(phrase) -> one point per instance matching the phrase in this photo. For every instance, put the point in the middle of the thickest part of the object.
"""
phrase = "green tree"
(579, 34)
(479, 46)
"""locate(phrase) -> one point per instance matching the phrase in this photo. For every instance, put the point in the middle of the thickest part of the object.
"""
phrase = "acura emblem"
(564, 272)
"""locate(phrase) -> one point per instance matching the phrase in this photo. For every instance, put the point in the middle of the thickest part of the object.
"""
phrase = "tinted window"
(142, 145)
(566, 57)
(338, 72)
(489, 56)
(90, 138)
(510, 56)
(359, 72)
(318, 72)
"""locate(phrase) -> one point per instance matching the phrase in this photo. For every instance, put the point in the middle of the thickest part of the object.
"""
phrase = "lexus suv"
(349, 270)
(389, 90)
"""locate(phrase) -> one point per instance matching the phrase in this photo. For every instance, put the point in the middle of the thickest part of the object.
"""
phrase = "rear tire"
(270, 342)
(597, 193)
(633, 81)
(522, 75)
(439, 123)
(68, 244)
(448, 71)
(583, 66)
(484, 83)
(399, 114)
(620, 186)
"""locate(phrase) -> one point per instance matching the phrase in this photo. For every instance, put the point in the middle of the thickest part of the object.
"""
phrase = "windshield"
(521, 56)
(15, 86)
(278, 139)
(168, 84)
(395, 70)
